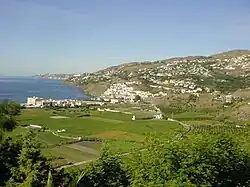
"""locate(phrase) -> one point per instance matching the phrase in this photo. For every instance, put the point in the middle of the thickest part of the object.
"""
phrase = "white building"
(35, 101)
(34, 126)
(114, 101)
(133, 118)
(229, 98)
(158, 116)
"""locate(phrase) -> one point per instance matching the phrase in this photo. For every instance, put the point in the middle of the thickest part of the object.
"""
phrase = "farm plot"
(115, 129)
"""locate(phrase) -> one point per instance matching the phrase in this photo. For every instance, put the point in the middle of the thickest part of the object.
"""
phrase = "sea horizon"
(18, 88)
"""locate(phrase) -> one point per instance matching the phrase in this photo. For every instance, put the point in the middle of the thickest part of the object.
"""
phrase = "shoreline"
(79, 87)
(67, 83)
(40, 87)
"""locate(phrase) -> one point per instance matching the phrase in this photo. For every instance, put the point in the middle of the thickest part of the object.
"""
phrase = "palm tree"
(50, 180)
(72, 183)
(1, 134)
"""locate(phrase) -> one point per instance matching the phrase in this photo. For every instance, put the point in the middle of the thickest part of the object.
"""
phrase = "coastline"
(40, 87)
(80, 88)
(91, 89)
(67, 83)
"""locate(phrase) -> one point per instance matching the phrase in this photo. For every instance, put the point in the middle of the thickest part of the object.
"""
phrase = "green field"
(116, 130)
(99, 124)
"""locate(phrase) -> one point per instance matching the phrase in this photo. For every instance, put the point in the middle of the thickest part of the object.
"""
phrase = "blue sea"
(19, 88)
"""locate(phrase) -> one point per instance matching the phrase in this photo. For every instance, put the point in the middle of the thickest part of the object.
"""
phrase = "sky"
(63, 36)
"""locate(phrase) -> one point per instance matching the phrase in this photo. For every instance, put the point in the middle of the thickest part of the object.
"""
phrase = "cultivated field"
(116, 130)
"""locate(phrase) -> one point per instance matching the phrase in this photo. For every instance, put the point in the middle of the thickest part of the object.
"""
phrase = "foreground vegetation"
(200, 158)
(8, 111)
(216, 160)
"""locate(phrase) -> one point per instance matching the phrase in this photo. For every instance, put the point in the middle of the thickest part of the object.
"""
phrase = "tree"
(9, 150)
(196, 160)
(191, 101)
(1, 135)
(32, 166)
(21, 161)
(26, 166)
(137, 98)
(7, 112)
(7, 123)
(210, 160)
(106, 171)
(10, 108)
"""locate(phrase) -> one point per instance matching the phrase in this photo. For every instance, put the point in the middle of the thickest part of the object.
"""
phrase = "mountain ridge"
(230, 53)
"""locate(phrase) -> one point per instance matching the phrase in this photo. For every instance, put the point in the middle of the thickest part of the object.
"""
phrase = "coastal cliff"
(92, 89)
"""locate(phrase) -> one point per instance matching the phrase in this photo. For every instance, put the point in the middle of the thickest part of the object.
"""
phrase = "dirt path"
(83, 149)
(88, 161)
(61, 136)
(187, 127)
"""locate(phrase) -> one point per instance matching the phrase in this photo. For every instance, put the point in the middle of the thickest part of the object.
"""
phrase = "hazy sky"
(57, 36)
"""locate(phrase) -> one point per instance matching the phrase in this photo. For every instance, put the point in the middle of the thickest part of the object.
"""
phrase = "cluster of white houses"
(123, 92)
(41, 102)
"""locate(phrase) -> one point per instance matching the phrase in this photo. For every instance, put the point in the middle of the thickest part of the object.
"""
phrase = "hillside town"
(124, 91)
(182, 76)
(60, 76)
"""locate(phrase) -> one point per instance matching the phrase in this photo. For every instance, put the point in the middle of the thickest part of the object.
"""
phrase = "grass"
(194, 116)
(117, 130)
(70, 154)
(93, 145)
(16, 132)
(97, 123)
(63, 155)
(123, 146)
(203, 122)
(120, 133)
(49, 139)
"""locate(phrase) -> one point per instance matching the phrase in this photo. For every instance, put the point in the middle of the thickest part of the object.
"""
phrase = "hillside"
(231, 53)
(226, 72)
